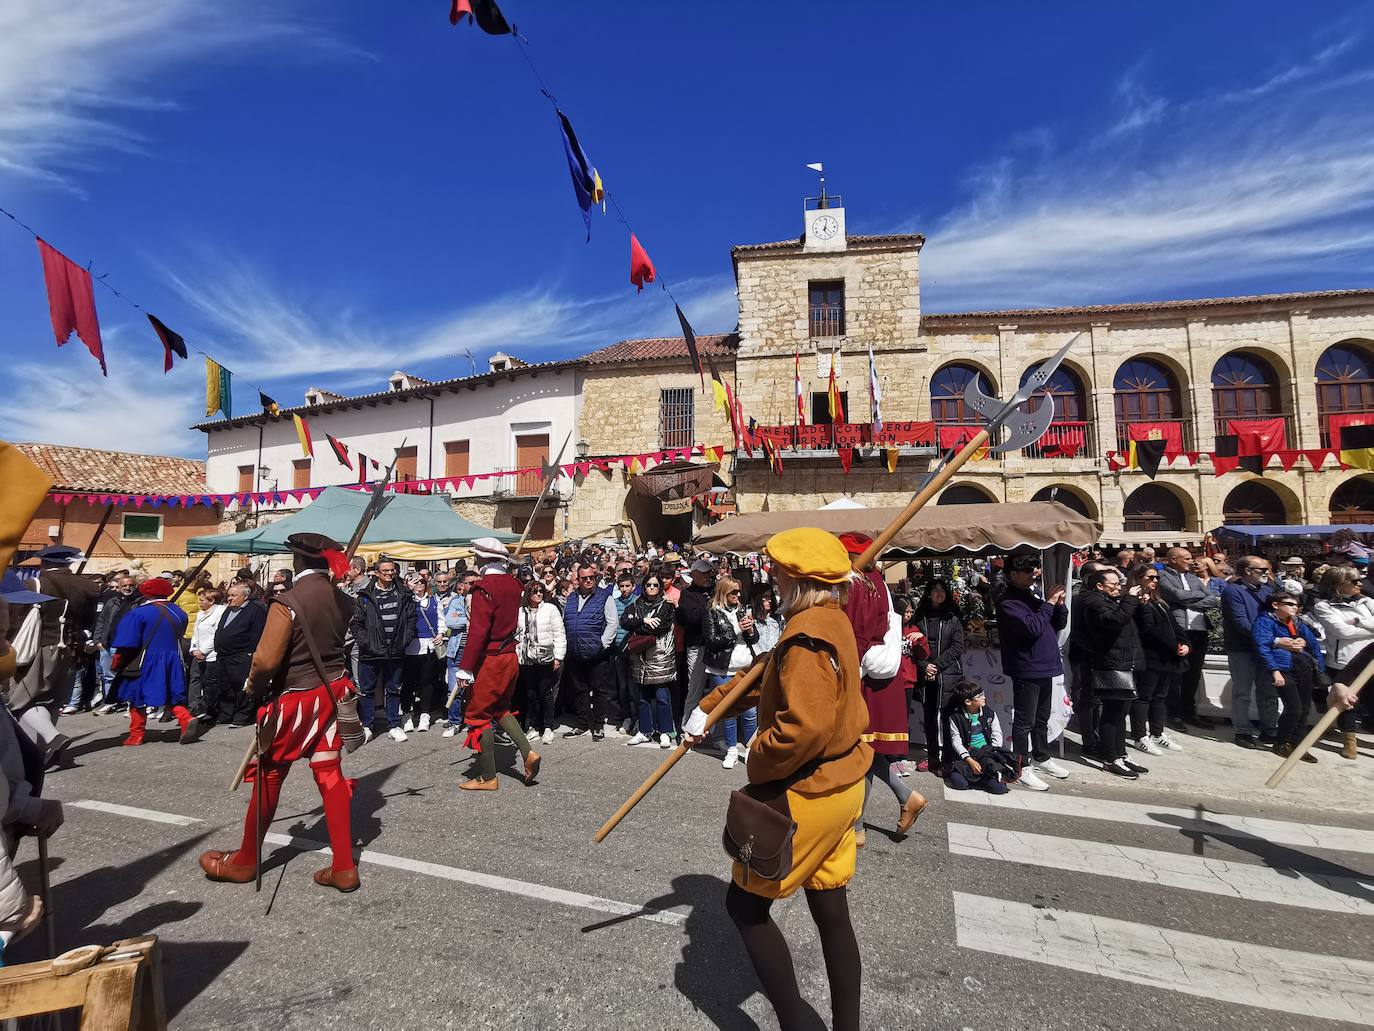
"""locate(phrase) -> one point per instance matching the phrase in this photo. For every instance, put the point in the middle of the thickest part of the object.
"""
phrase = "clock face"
(825, 227)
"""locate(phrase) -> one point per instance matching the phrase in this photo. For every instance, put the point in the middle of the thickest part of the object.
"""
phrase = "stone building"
(90, 481)
(643, 395)
(1292, 366)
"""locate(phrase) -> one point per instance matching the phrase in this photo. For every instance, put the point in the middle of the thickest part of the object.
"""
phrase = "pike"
(1022, 430)
(550, 471)
(1314, 735)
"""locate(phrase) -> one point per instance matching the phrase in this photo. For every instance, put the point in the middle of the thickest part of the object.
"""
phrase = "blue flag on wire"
(585, 178)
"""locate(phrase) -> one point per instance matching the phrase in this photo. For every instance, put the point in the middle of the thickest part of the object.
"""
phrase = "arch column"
(1201, 411)
(1102, 395)
(1303, 385)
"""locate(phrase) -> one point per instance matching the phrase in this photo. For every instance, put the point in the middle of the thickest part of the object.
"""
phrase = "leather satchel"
(759, 829)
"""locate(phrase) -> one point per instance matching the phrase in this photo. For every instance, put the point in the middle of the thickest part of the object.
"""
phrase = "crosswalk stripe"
(116, 809)
(1163, 817)
(1193, 964)
(1243, 881)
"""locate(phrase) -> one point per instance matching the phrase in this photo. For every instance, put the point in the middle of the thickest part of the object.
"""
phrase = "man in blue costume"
(147, 660)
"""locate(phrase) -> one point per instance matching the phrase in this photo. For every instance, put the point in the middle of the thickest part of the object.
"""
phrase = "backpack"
(25, 641)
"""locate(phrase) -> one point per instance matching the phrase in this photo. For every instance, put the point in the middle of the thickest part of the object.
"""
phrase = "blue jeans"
(736, 727)
(387, 672)
(455, 711)
(655, 699)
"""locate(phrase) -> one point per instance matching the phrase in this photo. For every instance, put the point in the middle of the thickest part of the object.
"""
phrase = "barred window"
(827, 308)
(676, 418)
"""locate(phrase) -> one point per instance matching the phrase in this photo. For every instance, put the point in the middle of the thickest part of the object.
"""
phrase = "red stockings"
(334, 790)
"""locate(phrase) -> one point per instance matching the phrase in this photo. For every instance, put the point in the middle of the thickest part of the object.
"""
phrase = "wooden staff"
(1314, 735)
(751, 675)
(95, 538)
(191, 577)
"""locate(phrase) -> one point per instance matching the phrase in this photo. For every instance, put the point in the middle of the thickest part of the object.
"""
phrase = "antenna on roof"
(819, 168)
(471, 361)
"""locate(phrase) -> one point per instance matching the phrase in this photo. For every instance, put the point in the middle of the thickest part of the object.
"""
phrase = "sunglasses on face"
(586, 577)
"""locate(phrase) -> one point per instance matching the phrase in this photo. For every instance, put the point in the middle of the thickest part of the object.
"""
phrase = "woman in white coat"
(541, 644)
(1348, 618)
(203, 647)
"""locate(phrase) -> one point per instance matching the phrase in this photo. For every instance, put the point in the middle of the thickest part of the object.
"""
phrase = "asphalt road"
(1094, 905)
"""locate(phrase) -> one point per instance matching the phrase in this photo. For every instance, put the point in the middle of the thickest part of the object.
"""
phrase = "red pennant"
(1317, 456)
(846, 457)
(641, 268)
(1222, 465)
(1288, 459)
(1192, 456)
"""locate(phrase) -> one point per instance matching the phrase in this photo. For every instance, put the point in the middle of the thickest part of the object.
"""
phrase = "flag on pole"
(875, 394)
(268, 405)
(641, 267)
(218, 389)
(172, 343)
(801, 404)
(303, 435)
(340, 451)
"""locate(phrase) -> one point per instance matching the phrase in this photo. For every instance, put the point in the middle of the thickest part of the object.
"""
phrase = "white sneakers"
(1146, 745)
(424, 722)
(1053, 769)
(1028, 779)
(367, 734)
(639, 739)
(664, 741)
(409, 728)
(1167, 743)
(450, 730)
(731, 757)
(548, 736)
(397, 734)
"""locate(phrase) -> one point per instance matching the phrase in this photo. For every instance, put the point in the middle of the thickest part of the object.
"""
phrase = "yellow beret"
(810, 554)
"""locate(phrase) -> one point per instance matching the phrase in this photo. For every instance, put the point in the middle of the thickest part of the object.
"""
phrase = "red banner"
(1258, 436)
(847, 435)
(1334, 424)
(1169, 432)
(1063, 440)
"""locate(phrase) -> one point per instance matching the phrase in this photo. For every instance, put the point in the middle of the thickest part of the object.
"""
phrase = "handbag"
(638, 643)
(345, 709)
(134, 666)
(1113, 683)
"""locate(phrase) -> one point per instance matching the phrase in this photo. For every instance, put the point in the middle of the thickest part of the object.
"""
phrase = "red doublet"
(489, 652)
(886, 699)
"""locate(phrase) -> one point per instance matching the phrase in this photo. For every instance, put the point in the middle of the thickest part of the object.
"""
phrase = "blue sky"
(321, 192)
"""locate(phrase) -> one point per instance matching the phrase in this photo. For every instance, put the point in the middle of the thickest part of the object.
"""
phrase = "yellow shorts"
(823, 851)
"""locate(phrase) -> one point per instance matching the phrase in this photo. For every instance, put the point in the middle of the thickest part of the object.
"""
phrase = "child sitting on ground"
(975, 738)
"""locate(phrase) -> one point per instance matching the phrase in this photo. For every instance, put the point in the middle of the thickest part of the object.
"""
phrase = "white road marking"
(1169, 869)
(1193, 964)
(1163, 817)
(541, 892)
(136, 813)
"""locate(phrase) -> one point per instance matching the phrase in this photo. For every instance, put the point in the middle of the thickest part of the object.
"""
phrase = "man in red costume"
(489, 667)
(868, 610)
(304, 623)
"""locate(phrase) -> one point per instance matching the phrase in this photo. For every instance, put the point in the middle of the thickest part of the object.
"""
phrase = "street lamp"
(583, 450)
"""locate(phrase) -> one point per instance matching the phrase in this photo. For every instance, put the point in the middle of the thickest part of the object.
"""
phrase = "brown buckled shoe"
(912, 808)
(343, 880)
(532, 766)
(218, 868)
(477, 784)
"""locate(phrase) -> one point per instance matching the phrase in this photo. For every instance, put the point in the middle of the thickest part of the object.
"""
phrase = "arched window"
(1154, 509)
(964, 494)
(1070, 399)
(947, 393)
(1147, 392)
(1345, 384)
(1244, 386)
(1067, 498)
(1253, 504)
(1353, 502)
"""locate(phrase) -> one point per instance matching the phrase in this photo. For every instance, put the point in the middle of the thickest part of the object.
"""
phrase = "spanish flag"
(836, 405)
(218, 389)
(1357, 446)
(303, 435)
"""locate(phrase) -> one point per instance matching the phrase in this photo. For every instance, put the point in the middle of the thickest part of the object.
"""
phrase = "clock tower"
(823, 228)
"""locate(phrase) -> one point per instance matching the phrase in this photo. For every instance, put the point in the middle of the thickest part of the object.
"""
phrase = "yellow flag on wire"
(218, 390)
(25, 487)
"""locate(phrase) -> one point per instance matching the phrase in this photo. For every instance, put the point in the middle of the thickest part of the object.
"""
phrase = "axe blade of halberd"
(1023, 428)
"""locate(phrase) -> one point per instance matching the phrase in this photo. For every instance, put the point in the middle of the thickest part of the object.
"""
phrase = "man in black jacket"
(383, 624)
(1189, 601)
(235, 640)
(693, 609)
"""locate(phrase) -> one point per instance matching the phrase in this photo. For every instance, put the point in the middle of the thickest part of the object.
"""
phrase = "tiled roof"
(1145, 307)
(913, 239)
(720, 345)
(86, 469)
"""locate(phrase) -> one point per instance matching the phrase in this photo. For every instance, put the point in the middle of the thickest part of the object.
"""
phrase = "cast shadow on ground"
(714, 972)
(78, 904)
(1282, 859)
(365, 815)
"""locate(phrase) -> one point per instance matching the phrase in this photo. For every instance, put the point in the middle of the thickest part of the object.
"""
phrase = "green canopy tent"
(423, 519)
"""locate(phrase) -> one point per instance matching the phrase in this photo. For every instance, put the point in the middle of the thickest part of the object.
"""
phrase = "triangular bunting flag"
(1316, 457)
(1288, 459)
(1148, 455)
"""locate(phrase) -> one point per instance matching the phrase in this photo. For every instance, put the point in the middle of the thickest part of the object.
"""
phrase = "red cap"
(855, 543)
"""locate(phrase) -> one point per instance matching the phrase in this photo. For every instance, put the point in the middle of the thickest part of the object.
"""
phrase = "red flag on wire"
(71, 301)
(641, 268)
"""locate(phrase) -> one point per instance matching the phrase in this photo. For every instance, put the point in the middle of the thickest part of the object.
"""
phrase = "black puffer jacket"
(945, 637)
(1110, 633)
(1158, 637)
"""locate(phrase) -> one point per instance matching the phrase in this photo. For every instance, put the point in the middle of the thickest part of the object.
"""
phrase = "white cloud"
(1275, 178)
(132, 410)
(67, 69)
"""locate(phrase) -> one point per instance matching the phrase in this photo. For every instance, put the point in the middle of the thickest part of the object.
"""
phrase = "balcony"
(824, 438)
(1290, 427)
(512, 484)
(1183, 434)
(1065, 440)
(827, 320)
